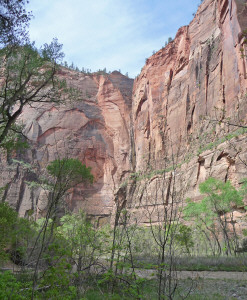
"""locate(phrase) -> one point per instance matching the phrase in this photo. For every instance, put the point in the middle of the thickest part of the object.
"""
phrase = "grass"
(233, 264)
(197, 263)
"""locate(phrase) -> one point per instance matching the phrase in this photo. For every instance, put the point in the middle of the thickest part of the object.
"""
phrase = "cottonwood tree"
(8, 219)
(164, 217)
(122, 272)
(160, 194)
(214, 213)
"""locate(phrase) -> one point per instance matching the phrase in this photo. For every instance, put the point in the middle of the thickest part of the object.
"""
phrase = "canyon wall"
(181, 101)
(92, 125)
(200, 74)
(171, 123)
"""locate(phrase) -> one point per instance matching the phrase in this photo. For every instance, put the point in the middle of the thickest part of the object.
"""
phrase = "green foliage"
(11, 288)
(228, 137)
(58, 278)
(24, 164)
(2, 190)
(14, 140)
(76, 242)
(52, 52)
(58, 292)
(15, 232)
(244, 245)
(200, 213)
(184, 237)
(220, 196)
(211, 213)
(243, 189)
(8, 220)
(13, 22)
(80, 235)
(69, 171)
(28, 76)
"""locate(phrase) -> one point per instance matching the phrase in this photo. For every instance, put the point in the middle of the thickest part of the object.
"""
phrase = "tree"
(15, 235)
(10, 287)
(244, 35)
(184, 238)
(27, 76)
(83, 244)
(8, 220)
(14, 20)
(65, 173)
(215, 210)
(68, 172)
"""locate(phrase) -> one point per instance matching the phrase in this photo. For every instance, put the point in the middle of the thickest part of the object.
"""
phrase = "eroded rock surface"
(201, 73)
(93, 126)
(180, 98)
(171, 121)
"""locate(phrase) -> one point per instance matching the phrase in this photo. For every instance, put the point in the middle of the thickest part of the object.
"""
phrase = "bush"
(8, 219)
(10, 288)
(244, 245)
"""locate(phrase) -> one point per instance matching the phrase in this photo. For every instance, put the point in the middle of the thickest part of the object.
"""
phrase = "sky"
(111, 34)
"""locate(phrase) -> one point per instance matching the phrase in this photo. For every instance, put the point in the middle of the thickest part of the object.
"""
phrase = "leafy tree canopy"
(8, 219)
(69, 171)
(14, 20)
(220, 196)
(27, 77)
(219, 199)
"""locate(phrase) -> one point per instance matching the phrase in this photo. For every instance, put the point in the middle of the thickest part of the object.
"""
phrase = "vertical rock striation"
(181, 99)
(175, 107)
(92, 126)
(201, 73)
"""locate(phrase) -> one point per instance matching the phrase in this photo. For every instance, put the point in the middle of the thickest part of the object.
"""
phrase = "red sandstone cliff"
(198, 77)
(93, 126)
(179, 99)
(200, 71)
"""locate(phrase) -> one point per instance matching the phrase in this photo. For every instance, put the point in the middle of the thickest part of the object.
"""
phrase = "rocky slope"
(173, 121)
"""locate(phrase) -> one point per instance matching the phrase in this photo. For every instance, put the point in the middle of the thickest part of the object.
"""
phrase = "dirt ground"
(149, 274)
(209, 285)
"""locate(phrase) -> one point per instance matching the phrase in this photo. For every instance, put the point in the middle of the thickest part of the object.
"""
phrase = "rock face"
(179, 99)
(172, 121)
(200, 73)
(93, 126)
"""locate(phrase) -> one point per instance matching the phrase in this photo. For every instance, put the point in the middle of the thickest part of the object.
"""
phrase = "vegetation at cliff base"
(154, 251)
(72, 258)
